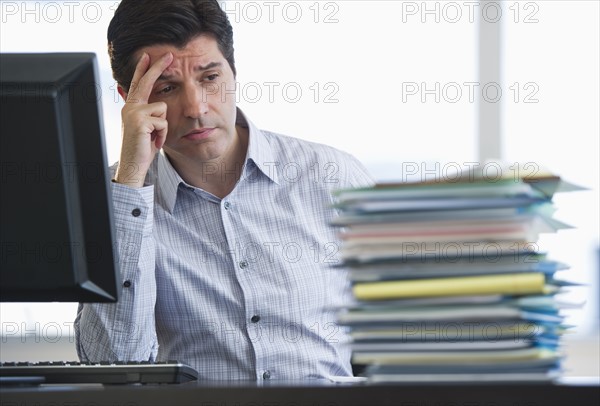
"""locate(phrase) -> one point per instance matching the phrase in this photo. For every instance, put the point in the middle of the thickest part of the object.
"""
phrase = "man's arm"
(126, 330)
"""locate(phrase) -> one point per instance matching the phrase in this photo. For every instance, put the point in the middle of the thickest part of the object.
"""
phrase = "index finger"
(144, 77)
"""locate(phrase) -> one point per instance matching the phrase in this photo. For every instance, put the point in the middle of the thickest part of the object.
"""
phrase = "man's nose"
(195, 102)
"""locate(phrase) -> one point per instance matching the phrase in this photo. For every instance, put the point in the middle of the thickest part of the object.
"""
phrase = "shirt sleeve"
(125, 330)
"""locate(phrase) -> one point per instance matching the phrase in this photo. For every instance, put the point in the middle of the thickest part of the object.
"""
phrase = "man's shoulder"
(318, 159)
(297, 148)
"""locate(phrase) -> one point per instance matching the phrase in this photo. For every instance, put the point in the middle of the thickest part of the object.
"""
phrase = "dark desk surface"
(304, 393)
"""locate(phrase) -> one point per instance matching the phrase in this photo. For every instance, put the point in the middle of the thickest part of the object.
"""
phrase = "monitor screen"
(56, 219)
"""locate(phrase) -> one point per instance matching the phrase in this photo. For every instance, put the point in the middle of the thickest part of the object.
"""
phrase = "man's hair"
(141, 23)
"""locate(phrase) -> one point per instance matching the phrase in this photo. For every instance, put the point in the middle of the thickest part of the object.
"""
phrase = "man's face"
(199, 90)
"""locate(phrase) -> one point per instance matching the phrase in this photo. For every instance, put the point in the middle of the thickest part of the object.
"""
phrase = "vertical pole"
(489, 102)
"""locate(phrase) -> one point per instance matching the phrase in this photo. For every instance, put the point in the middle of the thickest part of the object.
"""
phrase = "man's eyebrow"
(197, 68)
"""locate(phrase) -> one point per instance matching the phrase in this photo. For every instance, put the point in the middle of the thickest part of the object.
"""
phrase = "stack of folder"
(448, 280)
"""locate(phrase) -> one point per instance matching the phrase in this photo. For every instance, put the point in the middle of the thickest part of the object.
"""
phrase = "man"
(225, 250)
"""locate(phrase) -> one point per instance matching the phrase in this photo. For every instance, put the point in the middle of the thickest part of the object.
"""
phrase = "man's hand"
(144, 124)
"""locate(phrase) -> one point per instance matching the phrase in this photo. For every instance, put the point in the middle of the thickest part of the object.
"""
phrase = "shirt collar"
(260, 153)
(167, 182)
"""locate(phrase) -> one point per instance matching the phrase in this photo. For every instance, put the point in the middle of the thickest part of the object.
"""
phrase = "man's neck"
(220, 176)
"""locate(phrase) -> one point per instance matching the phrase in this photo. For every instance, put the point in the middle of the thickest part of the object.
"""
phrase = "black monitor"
(56, 219)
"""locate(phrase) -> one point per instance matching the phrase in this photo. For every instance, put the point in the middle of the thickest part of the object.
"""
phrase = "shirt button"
(227, 205)
(267, 375)
(243, 264)
(255, 318)
(127, 284)
(136, 212)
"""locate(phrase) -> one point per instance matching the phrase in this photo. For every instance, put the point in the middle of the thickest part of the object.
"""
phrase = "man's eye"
(165, 90)
(211, 78)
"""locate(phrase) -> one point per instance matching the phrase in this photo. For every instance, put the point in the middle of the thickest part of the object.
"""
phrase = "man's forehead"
(191, 60)
(181, 57)
(180, 66)
(202, 50)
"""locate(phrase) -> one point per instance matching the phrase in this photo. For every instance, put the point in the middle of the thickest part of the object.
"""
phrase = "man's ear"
(122, 92)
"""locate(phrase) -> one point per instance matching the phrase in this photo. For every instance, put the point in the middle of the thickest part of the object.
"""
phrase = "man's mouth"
(199, 133)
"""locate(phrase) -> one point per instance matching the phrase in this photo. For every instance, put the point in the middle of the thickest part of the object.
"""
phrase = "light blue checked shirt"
(240, 287)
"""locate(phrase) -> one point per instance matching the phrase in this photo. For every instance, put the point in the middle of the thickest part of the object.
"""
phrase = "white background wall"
(390, 82)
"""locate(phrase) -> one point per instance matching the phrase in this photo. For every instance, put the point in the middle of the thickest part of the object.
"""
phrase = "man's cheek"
(210, 92)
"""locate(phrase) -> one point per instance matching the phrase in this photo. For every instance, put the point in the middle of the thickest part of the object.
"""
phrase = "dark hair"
(140, 23)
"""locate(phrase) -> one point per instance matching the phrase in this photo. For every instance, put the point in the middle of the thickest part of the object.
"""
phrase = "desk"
(292, 394)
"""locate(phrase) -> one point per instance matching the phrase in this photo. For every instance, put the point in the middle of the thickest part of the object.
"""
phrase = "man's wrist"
(129, 176)
(134, 183)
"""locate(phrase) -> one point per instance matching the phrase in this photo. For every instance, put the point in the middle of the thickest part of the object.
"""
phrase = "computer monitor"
(56, 220)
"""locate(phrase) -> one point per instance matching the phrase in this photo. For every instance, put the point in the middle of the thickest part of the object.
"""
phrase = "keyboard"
(118, 372)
